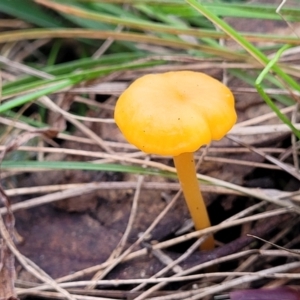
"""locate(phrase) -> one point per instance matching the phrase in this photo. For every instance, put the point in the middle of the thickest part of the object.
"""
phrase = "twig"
(250, 260)
(176, 240)
(217, 253)
(25, 69)
(48, 103)
(287, 168)
(201, 293)
(247, 278)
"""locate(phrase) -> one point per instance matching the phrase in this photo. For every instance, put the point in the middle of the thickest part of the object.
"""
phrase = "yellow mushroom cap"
(175, 112)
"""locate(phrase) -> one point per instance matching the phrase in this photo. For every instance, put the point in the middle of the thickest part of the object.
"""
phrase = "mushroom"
(174, 114)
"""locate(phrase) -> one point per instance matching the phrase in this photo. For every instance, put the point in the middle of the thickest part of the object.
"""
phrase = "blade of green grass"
(29, 12)
(64, 165)
(220, 8)
(250, 48)
(177, 28)
(71, 79)
(69, 67)
(267, 99)
(259, 56)
(250, 79)
(56, 86)
(174, 21)
(245, 10)
(84, 13)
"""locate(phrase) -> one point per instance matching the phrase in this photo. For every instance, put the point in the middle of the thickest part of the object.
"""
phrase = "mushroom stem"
(186, 172)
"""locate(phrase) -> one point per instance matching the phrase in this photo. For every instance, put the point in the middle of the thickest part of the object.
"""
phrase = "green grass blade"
(64, 165)
(69, 67)
(250, 48)
(34, 95)
(68, 80)
(267, 99)
(29, 12)
(79, 76)
(269, 82)
(222, 9)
